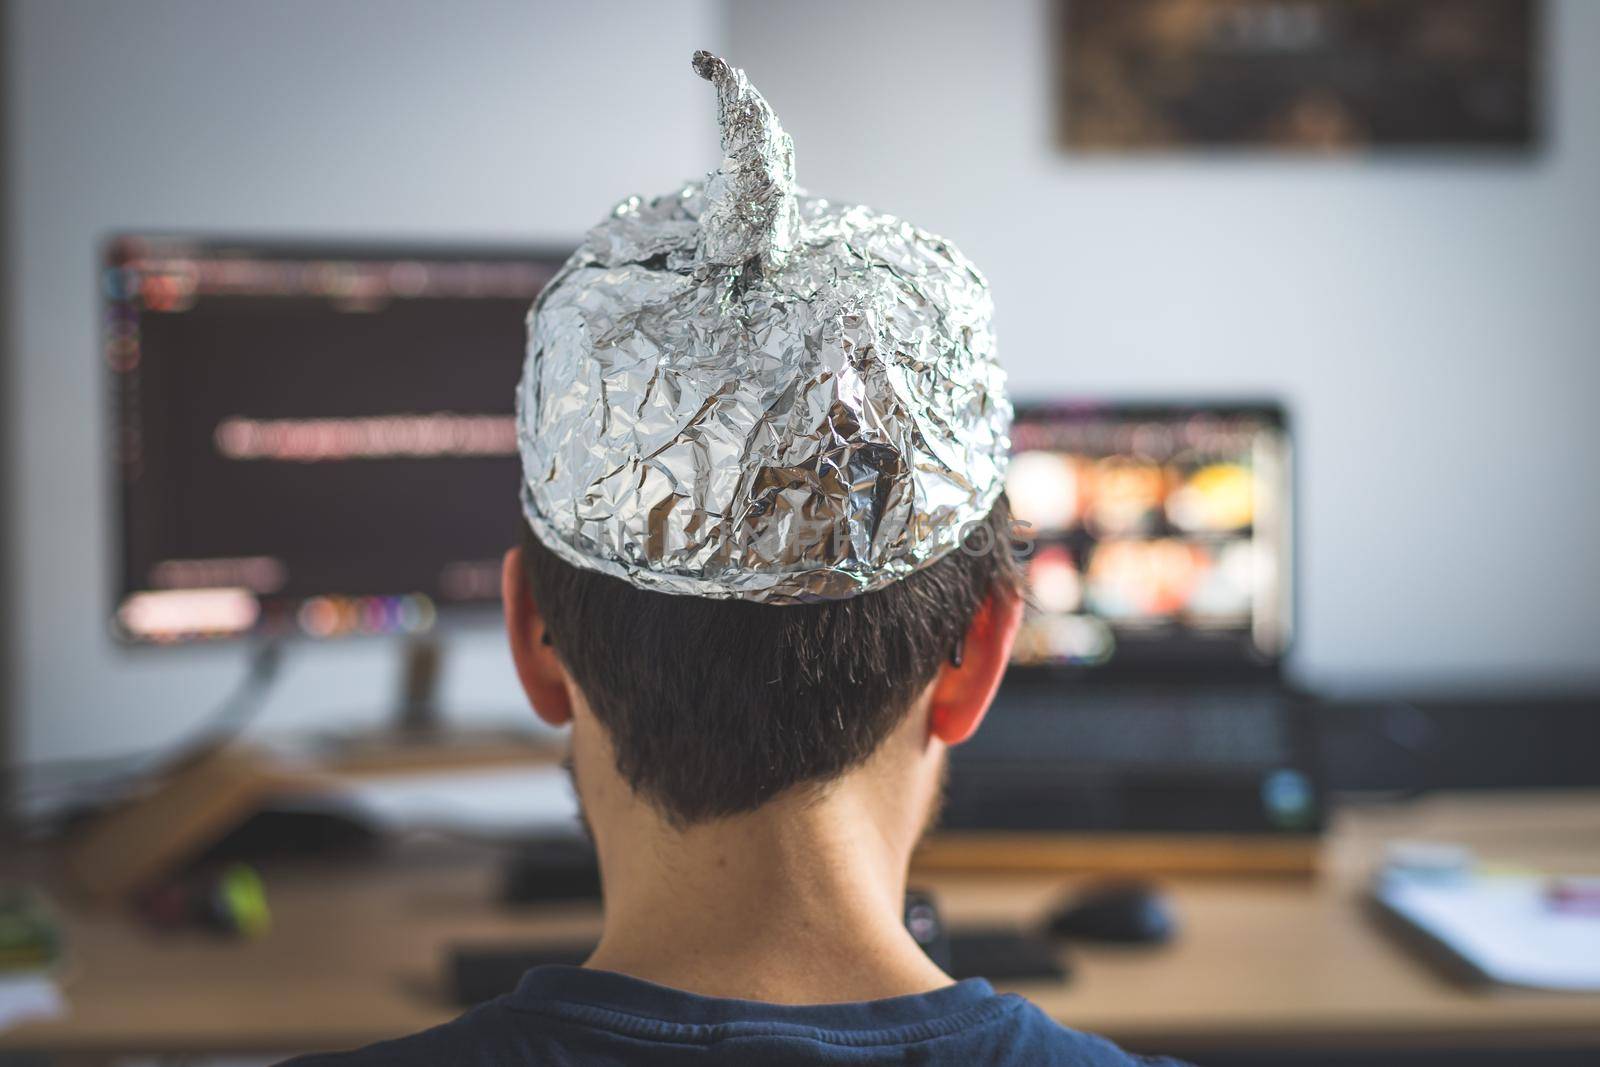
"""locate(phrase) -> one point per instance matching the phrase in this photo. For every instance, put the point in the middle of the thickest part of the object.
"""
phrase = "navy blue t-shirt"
(568, 1015)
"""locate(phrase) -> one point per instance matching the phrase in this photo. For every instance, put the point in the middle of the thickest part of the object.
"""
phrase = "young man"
(767, 580)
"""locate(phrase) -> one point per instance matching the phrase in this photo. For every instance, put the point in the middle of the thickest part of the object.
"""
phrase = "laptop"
(1147, 694)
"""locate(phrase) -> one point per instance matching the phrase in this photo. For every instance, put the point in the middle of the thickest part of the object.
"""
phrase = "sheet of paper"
(1504, 927)
(25, 997)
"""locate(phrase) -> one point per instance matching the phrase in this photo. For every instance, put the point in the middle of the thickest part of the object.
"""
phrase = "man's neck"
(799, 902)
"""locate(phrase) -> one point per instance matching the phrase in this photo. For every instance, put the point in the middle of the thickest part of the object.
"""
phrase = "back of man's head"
(714, 707)
(763, 438)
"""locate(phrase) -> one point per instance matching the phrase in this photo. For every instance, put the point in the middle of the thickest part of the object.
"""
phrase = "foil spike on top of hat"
(750, 211)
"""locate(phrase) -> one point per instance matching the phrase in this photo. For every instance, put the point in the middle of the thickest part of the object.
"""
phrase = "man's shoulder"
(1010, 1031)
(1034, 1037)
(487, 1035)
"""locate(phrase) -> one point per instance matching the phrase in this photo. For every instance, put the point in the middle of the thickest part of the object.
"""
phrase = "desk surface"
(357, 950)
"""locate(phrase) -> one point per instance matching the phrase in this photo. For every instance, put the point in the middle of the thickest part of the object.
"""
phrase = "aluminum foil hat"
(736, 390)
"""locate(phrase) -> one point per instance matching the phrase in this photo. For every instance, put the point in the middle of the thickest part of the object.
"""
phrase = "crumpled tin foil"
(738, 391)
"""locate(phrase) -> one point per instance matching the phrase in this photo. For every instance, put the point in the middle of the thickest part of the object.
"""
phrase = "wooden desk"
(356, 953)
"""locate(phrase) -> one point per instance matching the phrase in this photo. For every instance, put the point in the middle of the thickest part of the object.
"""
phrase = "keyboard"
(1096, 757)
(1136, 726)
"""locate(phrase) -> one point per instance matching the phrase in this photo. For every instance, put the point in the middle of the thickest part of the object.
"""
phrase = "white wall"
(395, 118)
(1434, 322)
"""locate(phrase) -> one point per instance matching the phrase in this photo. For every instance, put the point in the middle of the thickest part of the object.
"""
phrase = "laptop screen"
(1157, 536)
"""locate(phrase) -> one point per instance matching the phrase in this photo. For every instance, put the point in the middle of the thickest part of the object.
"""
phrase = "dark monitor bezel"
(1272, 411)
(450, 615)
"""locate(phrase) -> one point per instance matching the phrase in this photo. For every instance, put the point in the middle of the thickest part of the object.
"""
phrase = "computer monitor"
(1159, 536)
(311, 439)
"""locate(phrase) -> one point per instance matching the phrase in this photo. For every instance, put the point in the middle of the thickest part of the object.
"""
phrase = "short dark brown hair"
(714, 707)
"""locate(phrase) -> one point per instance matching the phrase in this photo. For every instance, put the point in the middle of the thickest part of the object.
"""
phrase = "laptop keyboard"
(1134, 727)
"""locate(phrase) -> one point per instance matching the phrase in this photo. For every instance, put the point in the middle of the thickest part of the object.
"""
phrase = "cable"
(125, 774)
(230, 718)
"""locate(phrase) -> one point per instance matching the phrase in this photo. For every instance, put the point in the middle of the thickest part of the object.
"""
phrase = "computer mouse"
(1129, 913)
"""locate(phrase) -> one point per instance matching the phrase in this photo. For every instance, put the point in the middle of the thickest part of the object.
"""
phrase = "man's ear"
(539, 669)
(962, 694)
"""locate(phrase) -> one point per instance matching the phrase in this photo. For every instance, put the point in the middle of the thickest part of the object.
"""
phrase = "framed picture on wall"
(1297, 75)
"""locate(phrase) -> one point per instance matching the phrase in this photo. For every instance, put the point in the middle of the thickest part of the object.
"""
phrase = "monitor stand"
(419, 734)
(416, 714)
